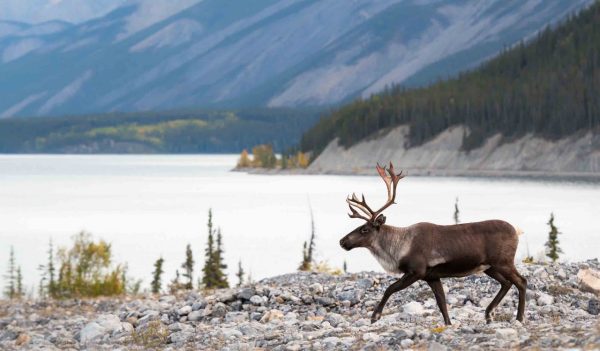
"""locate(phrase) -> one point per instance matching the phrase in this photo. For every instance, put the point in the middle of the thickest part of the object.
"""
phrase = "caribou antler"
(391, 182)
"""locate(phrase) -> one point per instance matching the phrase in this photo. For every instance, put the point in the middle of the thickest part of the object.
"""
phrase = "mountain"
(73, 11)
(534, 107)
(236, 53)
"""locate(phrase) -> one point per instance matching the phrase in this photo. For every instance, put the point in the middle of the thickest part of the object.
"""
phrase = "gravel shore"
(315, 311)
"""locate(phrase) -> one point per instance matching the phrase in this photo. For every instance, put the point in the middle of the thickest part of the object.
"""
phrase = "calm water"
(148, 206)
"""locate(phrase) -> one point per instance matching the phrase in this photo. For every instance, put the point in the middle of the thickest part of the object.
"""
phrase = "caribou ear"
(379, 221)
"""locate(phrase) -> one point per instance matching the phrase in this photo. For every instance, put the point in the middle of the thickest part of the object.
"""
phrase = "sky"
(74, 11)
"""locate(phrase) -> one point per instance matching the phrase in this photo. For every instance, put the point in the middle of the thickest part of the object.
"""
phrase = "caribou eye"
(364, 230)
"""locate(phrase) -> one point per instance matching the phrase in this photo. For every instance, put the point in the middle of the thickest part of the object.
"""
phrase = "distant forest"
(194, 131)
(549, 87)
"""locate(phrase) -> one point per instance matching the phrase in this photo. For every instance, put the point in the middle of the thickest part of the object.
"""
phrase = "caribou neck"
(390, 246)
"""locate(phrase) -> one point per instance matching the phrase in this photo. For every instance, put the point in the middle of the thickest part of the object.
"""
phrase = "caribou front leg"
(407, 280)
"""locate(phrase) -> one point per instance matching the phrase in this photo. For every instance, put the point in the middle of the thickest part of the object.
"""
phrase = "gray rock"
(406, 343)
(236, 317)
(219, 310)
(316, 288)
(593, 307)
(325, 301)
(185, 310)
(231, 333)
(335, 319)
(198, 305)
(149, 315)
(105, 325)
(413, 307)
(256, 300)
(245, 294)
(195, 316)
(364, 283)
(181, 337)
(545, 299)
(506, 333)
(436, 346)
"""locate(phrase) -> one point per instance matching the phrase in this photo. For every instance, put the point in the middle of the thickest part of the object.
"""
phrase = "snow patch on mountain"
(20, 49)
(148, 13)
(16, 108)
(66, 93)
(174, 34)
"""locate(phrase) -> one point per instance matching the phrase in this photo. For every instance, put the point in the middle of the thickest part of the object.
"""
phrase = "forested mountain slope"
(548, 89)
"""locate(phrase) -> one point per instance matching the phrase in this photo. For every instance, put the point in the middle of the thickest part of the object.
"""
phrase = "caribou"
(428, 252)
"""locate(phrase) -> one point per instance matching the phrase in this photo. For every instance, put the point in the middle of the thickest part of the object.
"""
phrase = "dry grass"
(557, 290)
(152, 337)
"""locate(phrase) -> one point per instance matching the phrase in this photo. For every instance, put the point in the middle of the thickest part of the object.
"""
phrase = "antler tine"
(361, 205)
(391, 182)
(355, 214)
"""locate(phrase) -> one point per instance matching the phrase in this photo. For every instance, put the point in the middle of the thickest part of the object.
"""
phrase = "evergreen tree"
(345, 267)
(175, 284)
(456, 212)
(552, 248)
(51, 285)
(10, 291)
(240, 274)
(220, 266)
(308, 248)
(209, 269)
(188, 268)
(19, 284)
(155, 285)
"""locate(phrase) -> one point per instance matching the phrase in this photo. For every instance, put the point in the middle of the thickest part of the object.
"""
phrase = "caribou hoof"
(375, 317)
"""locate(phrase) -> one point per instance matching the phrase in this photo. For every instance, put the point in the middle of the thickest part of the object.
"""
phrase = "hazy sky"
(35, 11)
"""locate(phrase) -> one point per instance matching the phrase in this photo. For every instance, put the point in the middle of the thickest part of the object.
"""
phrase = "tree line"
(86, 269)
(548, 87)
(185, 131)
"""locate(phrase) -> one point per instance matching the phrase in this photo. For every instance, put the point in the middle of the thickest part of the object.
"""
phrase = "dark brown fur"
(428, 252)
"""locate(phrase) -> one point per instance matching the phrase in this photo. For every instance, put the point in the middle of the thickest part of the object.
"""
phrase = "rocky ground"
(303, 311)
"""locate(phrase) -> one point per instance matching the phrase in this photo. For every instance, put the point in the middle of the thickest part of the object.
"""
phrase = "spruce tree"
(240, 274)
(19, 284)
(175, 284)
(51, 283)
(188, 268)
(220, 266)
(155, 285)
(552, 248)
(308, 248)
(208, 271)
(456, 212)
(10, 290)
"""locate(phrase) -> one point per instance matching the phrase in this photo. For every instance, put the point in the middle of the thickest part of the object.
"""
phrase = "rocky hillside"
(574, 156)
(317, 311)
(157, 55)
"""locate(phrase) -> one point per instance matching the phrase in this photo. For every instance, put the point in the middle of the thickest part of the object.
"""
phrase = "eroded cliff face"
(577, 155)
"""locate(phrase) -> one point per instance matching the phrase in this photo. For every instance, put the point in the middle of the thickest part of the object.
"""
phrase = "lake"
(152, 206)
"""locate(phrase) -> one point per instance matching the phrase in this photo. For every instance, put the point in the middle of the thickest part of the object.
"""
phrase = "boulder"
(589, 280)
(413, 308)
(104, 325)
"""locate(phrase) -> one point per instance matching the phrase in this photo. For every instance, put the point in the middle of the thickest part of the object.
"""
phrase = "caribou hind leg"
(521, 283)
(440, 298)
(505, 286)
(507, 277)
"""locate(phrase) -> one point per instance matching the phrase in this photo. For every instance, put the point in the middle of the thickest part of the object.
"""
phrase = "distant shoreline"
(490, 174)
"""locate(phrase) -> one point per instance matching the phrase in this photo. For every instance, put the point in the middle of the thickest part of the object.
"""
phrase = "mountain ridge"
(265, 53)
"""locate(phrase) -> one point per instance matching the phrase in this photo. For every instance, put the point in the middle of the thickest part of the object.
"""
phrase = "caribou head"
(363, 235)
